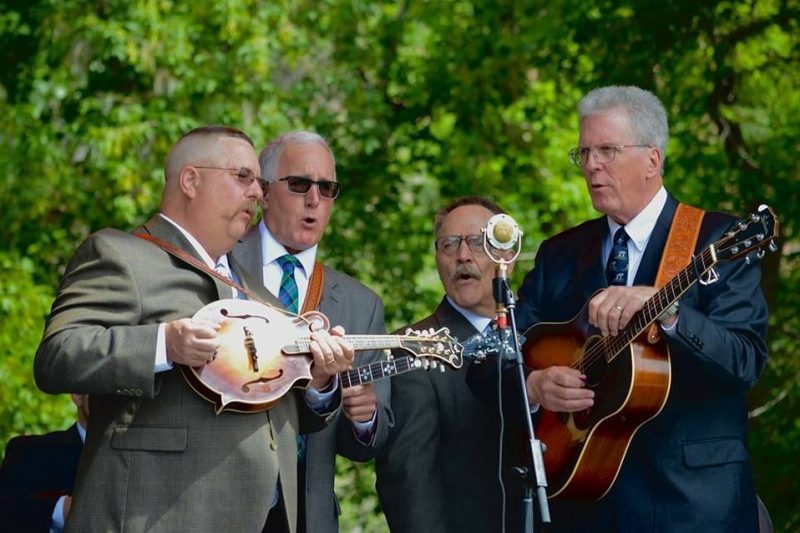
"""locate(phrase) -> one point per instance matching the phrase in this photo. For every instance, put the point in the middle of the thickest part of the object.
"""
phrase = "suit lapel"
(248, 253)
(447, 316)
(332, 297)
(590, 264)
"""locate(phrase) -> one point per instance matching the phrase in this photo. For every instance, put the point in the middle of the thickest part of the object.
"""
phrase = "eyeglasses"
(245, 176)
(450, 244)
(605, 153)
(301, 185)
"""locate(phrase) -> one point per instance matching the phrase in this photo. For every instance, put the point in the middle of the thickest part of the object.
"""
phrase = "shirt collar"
(223, 259)
(640, 227)
(81, 431)
(271, 250)
(479, 322)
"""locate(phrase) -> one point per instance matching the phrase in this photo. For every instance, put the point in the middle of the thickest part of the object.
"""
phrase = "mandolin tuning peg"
(761, 253)
(434, 364)
(388, 354)
(441, 369)
(772, 246)
(426, 364)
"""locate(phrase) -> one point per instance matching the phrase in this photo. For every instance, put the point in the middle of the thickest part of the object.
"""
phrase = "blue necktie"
(617, 266)
(288, 295)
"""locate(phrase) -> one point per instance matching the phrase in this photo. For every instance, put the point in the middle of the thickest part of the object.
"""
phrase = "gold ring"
(618, 308)
(330, 361)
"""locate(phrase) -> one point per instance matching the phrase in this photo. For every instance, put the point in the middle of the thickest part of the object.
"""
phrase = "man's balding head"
(198, 146)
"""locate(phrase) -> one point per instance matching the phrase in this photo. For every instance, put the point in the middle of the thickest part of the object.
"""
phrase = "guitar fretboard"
(660, 302)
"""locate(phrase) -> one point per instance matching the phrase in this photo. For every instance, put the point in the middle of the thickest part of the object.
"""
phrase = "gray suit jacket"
(156, 456)
(438, 472)
(348, 303)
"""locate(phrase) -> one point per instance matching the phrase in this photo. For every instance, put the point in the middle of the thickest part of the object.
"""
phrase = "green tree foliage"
(423, 102)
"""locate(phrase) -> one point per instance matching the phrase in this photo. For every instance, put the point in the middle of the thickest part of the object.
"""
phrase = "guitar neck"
(661, 301)
(378, 370)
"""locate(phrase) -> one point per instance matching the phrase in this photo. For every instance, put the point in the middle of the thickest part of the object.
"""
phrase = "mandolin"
(264, 352)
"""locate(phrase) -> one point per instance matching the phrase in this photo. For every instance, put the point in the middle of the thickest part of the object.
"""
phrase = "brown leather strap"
(182, 255)
(314, 293)
(678, 250)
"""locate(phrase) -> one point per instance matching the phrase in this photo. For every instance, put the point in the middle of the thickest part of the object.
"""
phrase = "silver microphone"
(502, 232)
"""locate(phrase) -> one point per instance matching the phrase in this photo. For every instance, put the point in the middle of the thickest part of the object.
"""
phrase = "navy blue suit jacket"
(36, 471)
(687, 469)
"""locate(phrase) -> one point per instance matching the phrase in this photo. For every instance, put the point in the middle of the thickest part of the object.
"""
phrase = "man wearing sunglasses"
(301, 188)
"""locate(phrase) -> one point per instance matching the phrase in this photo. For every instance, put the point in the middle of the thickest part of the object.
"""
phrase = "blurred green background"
(423, 101)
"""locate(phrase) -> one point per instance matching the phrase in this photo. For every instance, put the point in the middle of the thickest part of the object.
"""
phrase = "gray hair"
(271, 155)
(646, 114)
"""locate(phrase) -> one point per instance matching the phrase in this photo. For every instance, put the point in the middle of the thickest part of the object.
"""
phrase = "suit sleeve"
(347, 443)
(21, 505)
(93, 342)
(408, 469)
(723, 327)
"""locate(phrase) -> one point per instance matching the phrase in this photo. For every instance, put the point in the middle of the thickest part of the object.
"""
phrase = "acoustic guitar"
(264, 352)
(630, 375)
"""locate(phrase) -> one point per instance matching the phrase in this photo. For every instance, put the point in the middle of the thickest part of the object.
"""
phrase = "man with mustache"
(439, 470)
(300, 172)
(157, 457)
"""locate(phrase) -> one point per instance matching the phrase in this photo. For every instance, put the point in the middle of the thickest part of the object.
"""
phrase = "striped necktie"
(617, 266)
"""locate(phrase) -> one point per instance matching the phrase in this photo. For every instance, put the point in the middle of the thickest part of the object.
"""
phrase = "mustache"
(466, 269)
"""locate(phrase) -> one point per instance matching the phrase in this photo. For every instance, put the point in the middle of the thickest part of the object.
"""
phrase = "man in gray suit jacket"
(439, 470)
(157, 457)
(299, 168)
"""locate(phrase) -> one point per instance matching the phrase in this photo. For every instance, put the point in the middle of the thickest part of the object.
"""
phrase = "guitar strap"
(314, 293)
(678, 251)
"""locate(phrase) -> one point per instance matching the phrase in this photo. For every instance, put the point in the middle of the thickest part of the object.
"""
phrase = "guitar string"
(614, 345)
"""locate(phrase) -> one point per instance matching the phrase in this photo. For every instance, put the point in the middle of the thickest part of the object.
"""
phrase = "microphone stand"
(507, 326)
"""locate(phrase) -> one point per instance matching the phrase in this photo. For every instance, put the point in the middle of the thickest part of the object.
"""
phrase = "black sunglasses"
(301, 185)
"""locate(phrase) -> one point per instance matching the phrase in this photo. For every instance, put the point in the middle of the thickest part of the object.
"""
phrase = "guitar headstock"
(754, 233)
(436, 345)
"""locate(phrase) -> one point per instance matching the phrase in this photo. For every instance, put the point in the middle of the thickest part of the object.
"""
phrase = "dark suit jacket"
(687, 469)
(439, 470)
(348, 303)
(156, 456)
(36, 471)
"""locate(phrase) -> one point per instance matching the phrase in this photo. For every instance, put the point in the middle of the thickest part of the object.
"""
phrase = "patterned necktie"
(617, 266)
(288, 294)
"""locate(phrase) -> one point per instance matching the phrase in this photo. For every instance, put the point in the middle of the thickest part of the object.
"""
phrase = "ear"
(265, 199)
(654, 160)
(189, 181)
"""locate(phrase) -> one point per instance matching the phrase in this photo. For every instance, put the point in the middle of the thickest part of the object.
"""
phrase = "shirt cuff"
(364, 430)
(57, 524)
(320, 401)
(161, 364)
